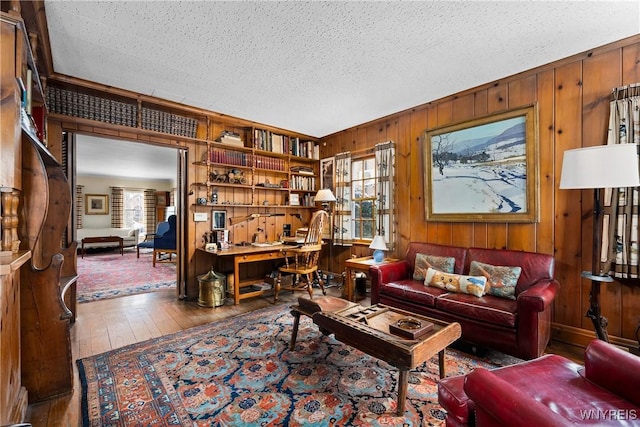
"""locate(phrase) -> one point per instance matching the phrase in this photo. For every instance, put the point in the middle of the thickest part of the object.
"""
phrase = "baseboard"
(582, 337)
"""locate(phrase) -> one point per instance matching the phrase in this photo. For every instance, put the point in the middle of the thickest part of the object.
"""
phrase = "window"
(134, 209)
(364, 196)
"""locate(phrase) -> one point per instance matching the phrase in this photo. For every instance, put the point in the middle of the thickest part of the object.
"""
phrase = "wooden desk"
(103, 239)
(362, 265)
(245, 254)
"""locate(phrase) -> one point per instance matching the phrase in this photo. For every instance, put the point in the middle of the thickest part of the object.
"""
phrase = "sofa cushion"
(535, 266)
(459, 254)
(490, 309)
(425, 261)
(472, 285)
(412, 290)
(501, 280)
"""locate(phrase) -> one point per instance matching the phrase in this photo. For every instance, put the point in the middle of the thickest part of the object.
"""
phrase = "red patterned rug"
(240, 372)
(104, 275)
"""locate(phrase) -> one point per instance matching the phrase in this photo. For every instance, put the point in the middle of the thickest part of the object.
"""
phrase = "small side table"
(354, 265)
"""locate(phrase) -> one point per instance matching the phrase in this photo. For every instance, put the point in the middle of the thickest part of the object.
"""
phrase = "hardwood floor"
(105, 325)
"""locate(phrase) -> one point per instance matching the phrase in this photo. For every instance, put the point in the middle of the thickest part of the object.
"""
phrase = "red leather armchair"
(549, 391)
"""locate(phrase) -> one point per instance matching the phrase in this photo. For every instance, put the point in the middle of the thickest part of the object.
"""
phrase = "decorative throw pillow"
(472, 285)
(424, 261)
(501, 280)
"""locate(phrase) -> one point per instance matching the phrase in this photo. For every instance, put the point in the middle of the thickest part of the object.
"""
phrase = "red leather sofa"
(520, 327)
(548, 391)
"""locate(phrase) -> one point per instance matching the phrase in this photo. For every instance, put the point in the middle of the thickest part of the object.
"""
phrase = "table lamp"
(604, 166)
(325, 196)
(379, 246)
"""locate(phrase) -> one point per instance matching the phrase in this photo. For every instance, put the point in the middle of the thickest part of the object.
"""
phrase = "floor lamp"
(325, 196)
(605, 166)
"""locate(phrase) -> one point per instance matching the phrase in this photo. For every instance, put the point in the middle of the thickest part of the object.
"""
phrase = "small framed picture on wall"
(218, 220)
(294, 200)
(96, 204)
(327, 170)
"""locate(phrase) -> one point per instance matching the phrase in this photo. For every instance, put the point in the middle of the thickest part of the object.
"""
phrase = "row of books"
(174, 124)
(76, 104)
(268, 141)
(306, 183)
(237, 158)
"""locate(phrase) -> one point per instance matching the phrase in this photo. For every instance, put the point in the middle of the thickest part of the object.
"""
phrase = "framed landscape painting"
(483, 170)
(97, 204)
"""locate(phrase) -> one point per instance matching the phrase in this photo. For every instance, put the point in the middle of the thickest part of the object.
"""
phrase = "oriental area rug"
(240, 372)
(103, 275)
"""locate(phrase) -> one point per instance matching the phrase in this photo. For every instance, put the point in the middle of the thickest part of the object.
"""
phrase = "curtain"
(117, 207)
(385, 164)
(150, 210)
(79, 206)
(342, 218)
(620, 234)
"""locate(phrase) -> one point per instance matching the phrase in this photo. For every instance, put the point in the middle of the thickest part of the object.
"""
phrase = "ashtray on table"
(409, 327)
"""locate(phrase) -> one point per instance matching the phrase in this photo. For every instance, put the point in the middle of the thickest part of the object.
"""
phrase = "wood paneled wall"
(573, 111)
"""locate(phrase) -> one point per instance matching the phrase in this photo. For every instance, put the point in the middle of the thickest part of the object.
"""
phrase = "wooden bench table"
(103, 239)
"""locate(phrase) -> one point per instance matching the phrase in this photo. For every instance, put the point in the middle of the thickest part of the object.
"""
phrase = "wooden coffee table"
(367, 329)
(103, 239)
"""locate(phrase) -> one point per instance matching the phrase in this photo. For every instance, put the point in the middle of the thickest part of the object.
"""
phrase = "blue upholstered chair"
(161, 228)
(163, 241)
(166, 243)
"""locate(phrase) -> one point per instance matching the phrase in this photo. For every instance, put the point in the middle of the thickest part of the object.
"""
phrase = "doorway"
(142, 184)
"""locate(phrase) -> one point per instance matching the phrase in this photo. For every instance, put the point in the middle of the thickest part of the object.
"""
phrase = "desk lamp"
(604, 166)
(379, 246)
(325, 196)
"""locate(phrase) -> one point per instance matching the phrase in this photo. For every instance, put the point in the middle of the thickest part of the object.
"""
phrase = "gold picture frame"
(96, 204)
(483, 170)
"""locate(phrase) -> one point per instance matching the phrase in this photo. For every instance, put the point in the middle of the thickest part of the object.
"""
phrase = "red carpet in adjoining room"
(104, 275)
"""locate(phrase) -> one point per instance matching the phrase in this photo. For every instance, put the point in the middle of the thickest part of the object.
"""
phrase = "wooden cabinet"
(35, 351)
(13, 399)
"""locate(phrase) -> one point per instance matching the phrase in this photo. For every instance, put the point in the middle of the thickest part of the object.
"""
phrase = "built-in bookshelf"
(241, 175)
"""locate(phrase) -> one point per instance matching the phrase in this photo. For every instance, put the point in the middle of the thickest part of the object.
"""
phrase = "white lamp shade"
(378, 243)
(603, 166)
(325, 195)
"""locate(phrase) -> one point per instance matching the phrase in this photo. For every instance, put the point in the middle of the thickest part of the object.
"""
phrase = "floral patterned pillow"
(472, 285)
(424, 261)
(501, 281)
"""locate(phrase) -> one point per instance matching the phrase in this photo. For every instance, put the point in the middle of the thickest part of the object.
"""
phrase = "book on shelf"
(303, 170)
(231, 138)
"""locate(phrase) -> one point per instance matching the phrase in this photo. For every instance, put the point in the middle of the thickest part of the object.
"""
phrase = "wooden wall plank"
(631, 64)
(545, 236)
(522, 92)
(569, 209)
(432, 227)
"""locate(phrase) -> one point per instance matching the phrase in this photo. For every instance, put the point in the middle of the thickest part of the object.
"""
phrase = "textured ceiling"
(320, 67)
